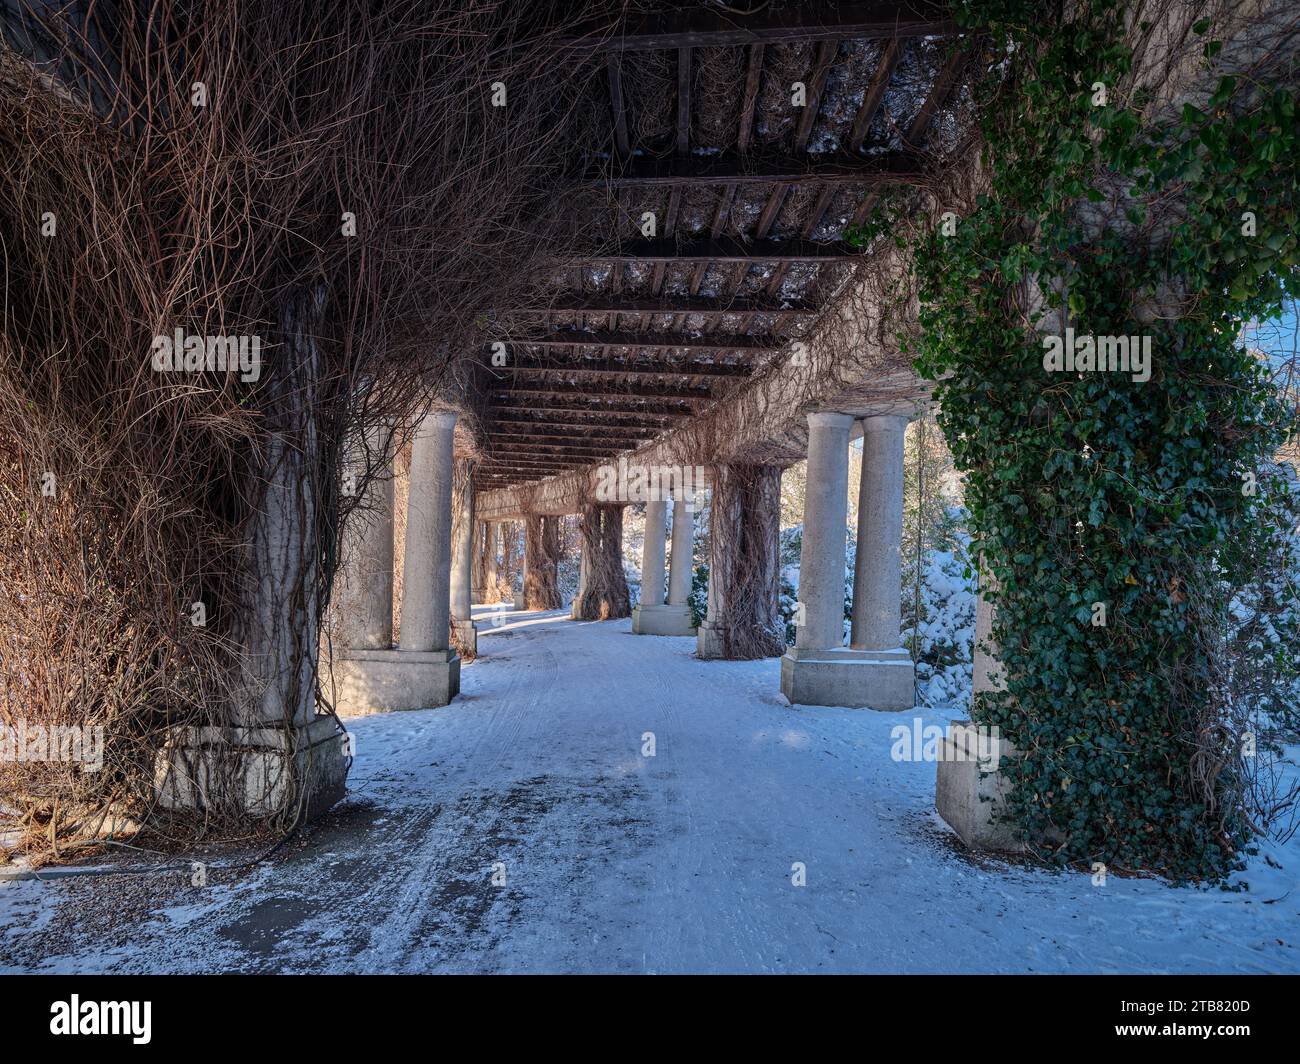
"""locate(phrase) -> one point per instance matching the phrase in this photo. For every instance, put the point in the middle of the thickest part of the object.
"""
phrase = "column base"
(709, 643)
(255, 771)
(519, 600)
(466, 635)
(968, 792)
(842, 676)
(380, 681)
(662, 620)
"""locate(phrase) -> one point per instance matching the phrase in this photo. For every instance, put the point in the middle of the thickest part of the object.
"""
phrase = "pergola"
(723, 238)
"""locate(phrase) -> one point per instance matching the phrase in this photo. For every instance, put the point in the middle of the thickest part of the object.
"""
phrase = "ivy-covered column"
(541, 559)
(603, 593)
(491, 572)
(744, 564)
(1082, 317)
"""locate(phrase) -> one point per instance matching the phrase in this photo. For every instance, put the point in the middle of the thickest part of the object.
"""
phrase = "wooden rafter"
(595, 406)
(890, 54)
(945, 81)
(661, 340)
(617, 105)
(704, 27)
(612, 390)
(726, 249)
(668, 305)
(753, 73)
(891, 168)
(606, 367)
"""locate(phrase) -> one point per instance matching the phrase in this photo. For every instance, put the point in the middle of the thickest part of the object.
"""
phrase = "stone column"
(462, 557)
(427, 565)
(822, 555)
(682, 570)
(651, 616)
(520, 594)
(423, 671)
(491, 590)
(652, 554)
(365, 582)
(874, 672)
(878, 576)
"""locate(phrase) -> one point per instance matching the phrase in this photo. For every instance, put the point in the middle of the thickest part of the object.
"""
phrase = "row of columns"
(654, 616)
(874, 669)
(439, 562)
(423, 669)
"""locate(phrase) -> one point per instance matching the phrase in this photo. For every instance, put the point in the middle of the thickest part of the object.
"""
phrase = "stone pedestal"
(968, 791)
(846, 676)
(379, 681)
(260, 772)
(519, 600)
(662, 620)
(466, 634)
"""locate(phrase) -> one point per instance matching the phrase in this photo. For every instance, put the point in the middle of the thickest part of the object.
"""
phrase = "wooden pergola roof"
(751, 197)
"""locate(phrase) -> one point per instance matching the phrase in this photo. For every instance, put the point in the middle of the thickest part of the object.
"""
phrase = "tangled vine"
(1115, 511)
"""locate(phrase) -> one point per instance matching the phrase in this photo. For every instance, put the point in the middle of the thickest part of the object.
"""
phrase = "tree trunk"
(744, 561)
(604, 593)
(542, 555)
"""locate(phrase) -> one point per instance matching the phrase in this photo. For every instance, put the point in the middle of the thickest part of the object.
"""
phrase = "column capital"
(440, 419)
(885, 423)
(829, 419)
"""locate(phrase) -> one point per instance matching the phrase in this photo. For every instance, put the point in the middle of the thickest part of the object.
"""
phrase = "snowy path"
(624, 863)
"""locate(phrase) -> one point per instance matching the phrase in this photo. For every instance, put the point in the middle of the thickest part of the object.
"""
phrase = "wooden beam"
(610, 391)
(510, 425)
(645, 426)
(661, 340)
(890, 54)
(593, 406)
(945, 81)
(818, 20)
(606, 367)
(814, 220)
(727, 249)
(683, 100)
(813, 92)
(750, 99)
(592, 304)
(731, 168)
(491, 463)
(617, 106)
(496, 432)
(506, 447)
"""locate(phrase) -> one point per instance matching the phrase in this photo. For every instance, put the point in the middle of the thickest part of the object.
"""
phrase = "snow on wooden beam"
(815, 21)
(728, 249)
(606, 367)
(610, 390)
(664, 340)
(593, 406)
(731, 168)
(668, 305)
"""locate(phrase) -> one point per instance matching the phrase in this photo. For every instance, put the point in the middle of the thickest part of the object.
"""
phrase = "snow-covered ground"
(614, 861)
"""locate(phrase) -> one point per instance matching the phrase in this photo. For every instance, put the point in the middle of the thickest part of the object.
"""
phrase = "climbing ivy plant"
(1112, 513)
